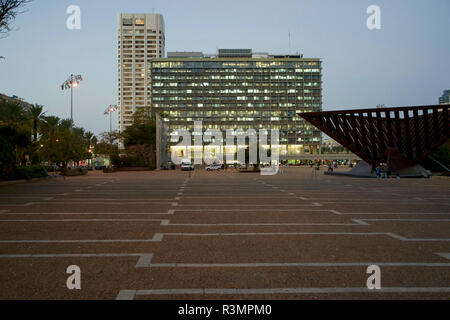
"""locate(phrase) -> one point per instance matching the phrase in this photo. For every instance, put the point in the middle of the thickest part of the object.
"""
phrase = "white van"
(186, 165)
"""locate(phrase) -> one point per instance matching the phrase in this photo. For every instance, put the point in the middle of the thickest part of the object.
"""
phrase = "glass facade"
(241, 93)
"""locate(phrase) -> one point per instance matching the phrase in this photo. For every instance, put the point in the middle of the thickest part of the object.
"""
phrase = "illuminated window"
(139, 22)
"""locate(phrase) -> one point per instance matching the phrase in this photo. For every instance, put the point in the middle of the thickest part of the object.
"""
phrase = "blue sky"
(404, 63)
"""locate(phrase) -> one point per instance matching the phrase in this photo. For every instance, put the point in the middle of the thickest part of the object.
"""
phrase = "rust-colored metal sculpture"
(400, 137)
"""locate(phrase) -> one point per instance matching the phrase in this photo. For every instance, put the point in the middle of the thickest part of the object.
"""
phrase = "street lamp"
(70, 83)
(110, 110)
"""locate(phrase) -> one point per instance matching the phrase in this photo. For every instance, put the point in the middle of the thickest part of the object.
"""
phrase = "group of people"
(383, 173)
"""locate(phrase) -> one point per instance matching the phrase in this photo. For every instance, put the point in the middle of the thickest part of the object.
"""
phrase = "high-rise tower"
(141, 38)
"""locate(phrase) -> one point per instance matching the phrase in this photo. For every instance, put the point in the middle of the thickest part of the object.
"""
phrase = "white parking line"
(215, 204)
(144, 258)
(84, 213)
(115, 200)
(387, 213)
(297, 265)
(126, 295)
(165, 222)
(130, 294)
(308, 211)
(445, 255)
(269, 194)
(84, 201)
(156, 238)
(83, 220)
(384, 202)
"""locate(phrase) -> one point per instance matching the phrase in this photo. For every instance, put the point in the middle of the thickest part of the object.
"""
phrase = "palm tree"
(36, 115)
(66, 124)
(50, 125)
(12, 114)
(15, 127)
(89, 136)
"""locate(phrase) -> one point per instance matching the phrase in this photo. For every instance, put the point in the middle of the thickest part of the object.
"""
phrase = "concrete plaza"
(225, 235)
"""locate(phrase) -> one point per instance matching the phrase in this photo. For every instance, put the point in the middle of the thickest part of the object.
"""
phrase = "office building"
(445, 98)
(236, 89)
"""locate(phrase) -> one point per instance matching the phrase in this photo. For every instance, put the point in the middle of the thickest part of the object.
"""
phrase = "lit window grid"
(212, 95)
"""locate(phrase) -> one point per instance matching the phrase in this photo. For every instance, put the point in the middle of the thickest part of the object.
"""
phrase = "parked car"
(186, 165)
(214, 167)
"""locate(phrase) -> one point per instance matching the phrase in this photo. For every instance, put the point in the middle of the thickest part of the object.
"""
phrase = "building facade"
(236, 89)
(15, 99)
(445, 98)
(141, 37)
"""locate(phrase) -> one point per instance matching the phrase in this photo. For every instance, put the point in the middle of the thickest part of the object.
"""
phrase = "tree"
(61, 143)
(9, 9)
(139, 140)
(110, 137)
(143, 129)
(15, 129)
(91, 140)
(140, 133)
(12, 114)
(104, 148)
(36, 115)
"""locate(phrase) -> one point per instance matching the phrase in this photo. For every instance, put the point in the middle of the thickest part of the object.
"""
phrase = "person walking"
(383, 172)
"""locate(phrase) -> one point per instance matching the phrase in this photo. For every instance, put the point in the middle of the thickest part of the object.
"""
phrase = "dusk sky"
(404, 63)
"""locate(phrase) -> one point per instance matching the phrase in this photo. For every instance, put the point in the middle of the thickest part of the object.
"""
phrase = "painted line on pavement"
(84, 220)
(445, 255)
(387, 213)
(86, 213)
(156, 238)
(144, 258)
(303, 211)
(115, 202)
(131, 294)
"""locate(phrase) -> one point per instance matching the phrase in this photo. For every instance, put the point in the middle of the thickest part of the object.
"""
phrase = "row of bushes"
(77, 172)
(23, 172)
(130, 161)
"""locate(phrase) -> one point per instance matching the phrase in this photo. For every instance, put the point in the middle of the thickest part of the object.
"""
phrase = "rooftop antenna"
(289, 35)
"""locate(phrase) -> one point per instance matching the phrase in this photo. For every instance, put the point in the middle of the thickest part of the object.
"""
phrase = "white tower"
(141, 38)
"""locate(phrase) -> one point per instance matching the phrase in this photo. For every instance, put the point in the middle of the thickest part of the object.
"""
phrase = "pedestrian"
(378, 171)
(383, 172)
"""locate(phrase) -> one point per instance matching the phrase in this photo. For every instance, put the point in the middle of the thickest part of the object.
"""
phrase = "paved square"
(208, 235)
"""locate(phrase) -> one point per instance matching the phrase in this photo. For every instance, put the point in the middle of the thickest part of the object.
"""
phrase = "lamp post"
(70, 83)
(110, 110)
